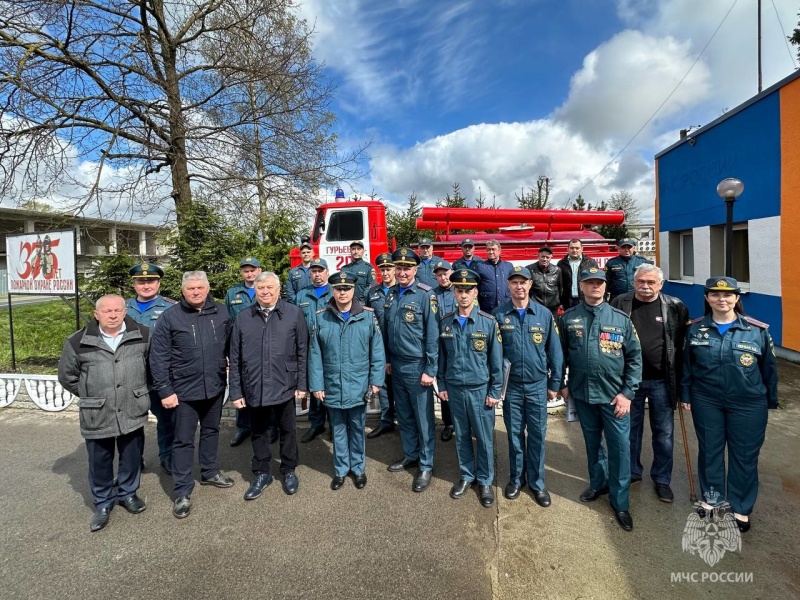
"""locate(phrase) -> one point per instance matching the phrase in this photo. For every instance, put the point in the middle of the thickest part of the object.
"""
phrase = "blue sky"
(494, 93)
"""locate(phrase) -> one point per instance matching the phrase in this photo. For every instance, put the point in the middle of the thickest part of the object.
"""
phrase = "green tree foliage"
(625, 202)
(795, 37)
(535, 199)
(454, 201)
(402, 225)
(109, 275)
(175, 95)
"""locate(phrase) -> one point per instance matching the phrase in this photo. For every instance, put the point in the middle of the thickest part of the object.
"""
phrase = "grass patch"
(39, 333)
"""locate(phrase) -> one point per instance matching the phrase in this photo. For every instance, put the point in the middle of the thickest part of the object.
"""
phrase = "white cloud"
(499, 160)
(624, 82)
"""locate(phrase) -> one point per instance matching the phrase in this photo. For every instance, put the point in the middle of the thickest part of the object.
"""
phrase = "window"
(741, 252)
(687, 255)
(345, 226)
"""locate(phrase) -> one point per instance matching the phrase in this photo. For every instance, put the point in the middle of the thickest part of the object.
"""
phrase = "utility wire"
(646, 123)
(785, 37)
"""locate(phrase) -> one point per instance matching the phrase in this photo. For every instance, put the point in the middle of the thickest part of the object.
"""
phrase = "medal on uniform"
(747, 359)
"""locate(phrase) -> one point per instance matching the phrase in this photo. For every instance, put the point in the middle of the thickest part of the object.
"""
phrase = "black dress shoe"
(290, 483)
(459, 490)
(743, 525)
(664, 492)
(624, 519)
(219, 480)
(309, 435)
(486, 495)
(133, 504)
(590, 495)
(512, 491)
(542, 497)
(181, 507)
(402, 465)
(240, 436)
(360, 481)
(376, 433)
(99, 519)
(337, 482)
(421, 481)
(166, 464)
(447, 433)
(261, 481)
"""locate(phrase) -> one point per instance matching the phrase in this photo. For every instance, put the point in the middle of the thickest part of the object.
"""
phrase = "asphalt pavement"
(383, 541)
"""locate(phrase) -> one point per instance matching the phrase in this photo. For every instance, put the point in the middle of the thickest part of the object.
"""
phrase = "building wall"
(758, 143)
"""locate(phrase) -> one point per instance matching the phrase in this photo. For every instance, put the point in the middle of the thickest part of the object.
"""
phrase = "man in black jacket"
(572, 265)
(103, 364)
(660, 321)
(269, 350)
(189, 366)
(546, 283)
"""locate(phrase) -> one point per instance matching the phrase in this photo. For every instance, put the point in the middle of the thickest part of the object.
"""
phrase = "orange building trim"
(790, 210)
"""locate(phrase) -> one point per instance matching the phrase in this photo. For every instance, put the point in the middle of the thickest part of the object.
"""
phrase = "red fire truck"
(520, 232)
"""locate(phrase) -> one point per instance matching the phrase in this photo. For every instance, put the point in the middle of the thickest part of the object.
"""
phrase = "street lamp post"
(729, 190)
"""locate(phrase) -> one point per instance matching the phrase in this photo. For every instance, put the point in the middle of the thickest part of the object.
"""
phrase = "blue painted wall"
(759, 306)
(746, 146)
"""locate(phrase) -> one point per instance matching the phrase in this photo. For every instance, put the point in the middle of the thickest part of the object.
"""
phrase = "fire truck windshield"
(345, 225)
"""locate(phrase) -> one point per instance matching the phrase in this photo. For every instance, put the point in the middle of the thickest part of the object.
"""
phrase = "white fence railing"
(48, 394)
(43, 390)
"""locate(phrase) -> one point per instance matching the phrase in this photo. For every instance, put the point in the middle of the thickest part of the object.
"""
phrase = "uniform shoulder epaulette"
(448, 315)
(755, 322)
(169, 300)
(697, 320)
(485, 314)
(617, 310)
(321, 310)
(424, 286)
(369, 308)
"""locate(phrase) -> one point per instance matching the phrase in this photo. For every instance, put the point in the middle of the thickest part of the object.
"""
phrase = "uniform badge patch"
(479, 345)
(409, 317)
(537, 338)
(747, 359)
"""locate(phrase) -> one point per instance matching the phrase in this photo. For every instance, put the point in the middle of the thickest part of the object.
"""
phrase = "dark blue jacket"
(493, 288)
(268, 356)
(740, 364)
(188, 351)
(472, 356)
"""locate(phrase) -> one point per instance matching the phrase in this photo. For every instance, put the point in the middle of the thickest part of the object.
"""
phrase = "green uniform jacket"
(308, 302)
(365, 275)
(376, 300)
(739, 364)
(602, 352)
(619, 274)
(412, 331)
(471, 356)
(345, 357)
(237, 299)
(532, 345)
